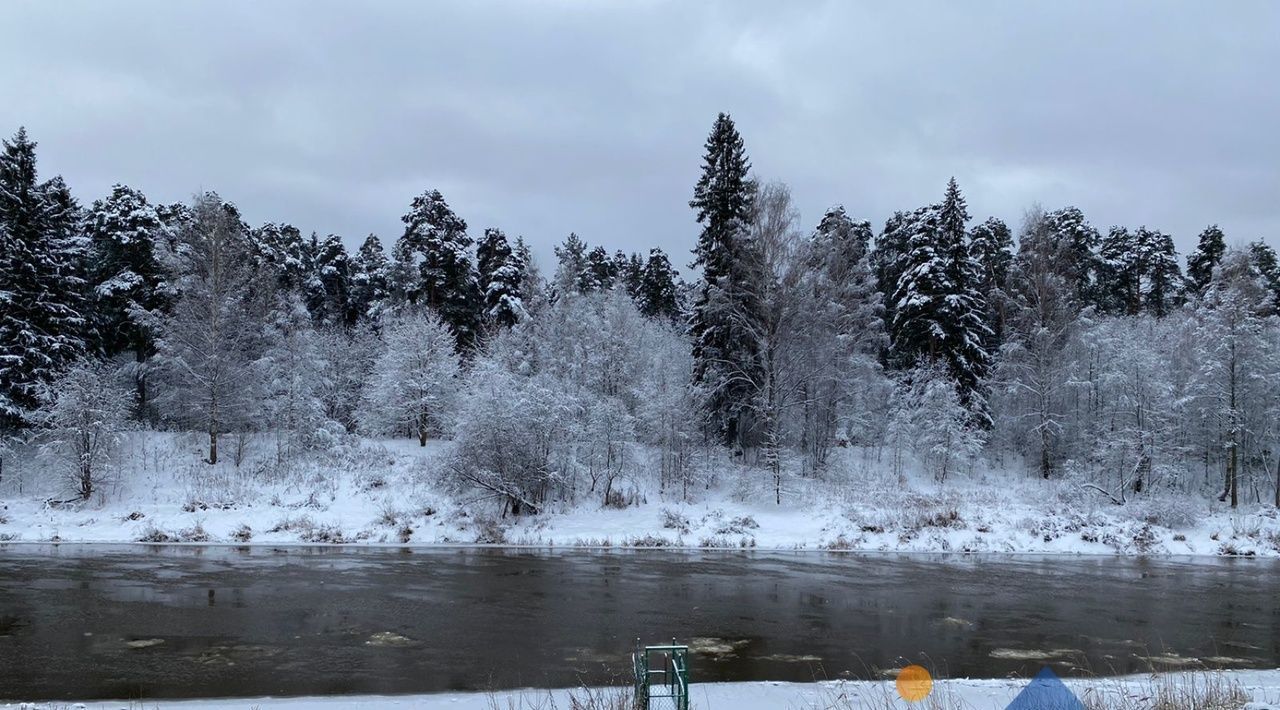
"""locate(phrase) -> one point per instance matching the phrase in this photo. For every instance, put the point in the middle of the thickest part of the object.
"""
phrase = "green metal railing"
(662, 676)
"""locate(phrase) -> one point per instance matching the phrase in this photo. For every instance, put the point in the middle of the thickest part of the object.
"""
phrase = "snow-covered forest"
(793, 363)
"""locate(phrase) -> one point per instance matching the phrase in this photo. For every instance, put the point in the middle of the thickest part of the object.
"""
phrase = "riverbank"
(1254, 690)
(390, 493)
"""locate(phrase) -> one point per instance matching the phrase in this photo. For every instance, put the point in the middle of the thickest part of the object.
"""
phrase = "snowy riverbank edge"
(1262, 686)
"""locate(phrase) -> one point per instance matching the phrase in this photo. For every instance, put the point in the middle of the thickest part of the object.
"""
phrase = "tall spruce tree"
(727, 302)
(939, 314)
(500, 275)
(434, 256)
(1206, 257)
(327, 284)
(41, 283)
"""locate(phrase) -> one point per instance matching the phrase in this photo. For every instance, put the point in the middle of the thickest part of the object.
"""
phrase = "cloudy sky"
(546, 117)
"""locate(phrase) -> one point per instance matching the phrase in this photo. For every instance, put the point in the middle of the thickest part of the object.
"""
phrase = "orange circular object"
(914, 683)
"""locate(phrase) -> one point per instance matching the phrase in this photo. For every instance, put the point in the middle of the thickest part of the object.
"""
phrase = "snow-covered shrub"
(512, 437)
(1165, 510)
(675, 520)
(242, 533)
(81, 423)
(414, 383)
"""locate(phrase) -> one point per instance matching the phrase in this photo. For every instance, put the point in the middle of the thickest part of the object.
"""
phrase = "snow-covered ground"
(1255, 690)
(389, 492)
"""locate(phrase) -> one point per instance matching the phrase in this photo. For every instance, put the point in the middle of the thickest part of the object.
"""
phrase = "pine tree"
(571, 258)
(434, 255)
(501, 274)
(1080, 241)
(656, 295)
(280, 249)
(1163, 283)
(327, 283)
(130, 286)
(1206, 257)
(727, 301)
(532, 289)
(370, 271)
(991, 249)
(41, 282)
(1264, 260)
(1119, 287)
(630, 272)
(599, 272)
(939, 315)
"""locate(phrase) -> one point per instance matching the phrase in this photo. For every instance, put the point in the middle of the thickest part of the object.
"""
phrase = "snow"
(1262, 686)
(388, 492)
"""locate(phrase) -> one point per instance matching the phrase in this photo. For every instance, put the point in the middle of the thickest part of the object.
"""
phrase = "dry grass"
(617, 698)
(1206, 690)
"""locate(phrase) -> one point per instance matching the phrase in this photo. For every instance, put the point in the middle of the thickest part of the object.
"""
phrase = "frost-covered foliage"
(295, 377)
(929, 420)
(594, 378)
(414, 380)
(81, 423)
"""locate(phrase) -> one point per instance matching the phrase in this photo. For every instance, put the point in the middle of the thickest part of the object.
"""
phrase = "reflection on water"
(130, 622)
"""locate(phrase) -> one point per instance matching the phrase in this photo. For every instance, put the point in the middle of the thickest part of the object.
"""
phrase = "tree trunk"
(213, 445)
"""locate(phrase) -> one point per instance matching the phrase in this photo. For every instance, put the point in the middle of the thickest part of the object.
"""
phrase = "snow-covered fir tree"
(991, 249)
(727, 303)
(42, 322)
(501, 273)
(327, 282)
(130, 289)
(656, 293)
(370, 271)
(938, 312)
(433, 261)
(1210, 247)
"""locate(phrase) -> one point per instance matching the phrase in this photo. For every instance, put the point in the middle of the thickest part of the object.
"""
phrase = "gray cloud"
(543, 118)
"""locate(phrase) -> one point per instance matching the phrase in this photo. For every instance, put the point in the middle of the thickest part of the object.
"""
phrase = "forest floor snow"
(389, 492)
(1250, 689)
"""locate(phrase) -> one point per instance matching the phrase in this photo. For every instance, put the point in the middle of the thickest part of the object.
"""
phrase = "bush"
(242, 533)
(675, 520)
(154, 534)
(193, 534)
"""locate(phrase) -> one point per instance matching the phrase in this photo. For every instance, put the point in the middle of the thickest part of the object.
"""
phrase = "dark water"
(132, 622)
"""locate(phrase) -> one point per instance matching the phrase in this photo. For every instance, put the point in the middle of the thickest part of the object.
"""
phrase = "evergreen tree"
(630, 272)
(327, 285)
(370, 270)
(1163, 284)
(889, 258)
(656, 295)
(1119, 287)
(1069, 227)
(130, 287)
(599, 274)
(571, 257)
(991, 250)
(1264, 260)
(41, 283)
(501, 274)
(1206, 257)
(727, 303)
(532, 289)
(434, 260)
(939, 315)
(280, 249)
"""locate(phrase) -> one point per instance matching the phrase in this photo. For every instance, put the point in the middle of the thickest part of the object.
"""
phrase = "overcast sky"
(542, 118)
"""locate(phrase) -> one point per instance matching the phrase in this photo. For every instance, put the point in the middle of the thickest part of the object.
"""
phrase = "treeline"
(938, 339)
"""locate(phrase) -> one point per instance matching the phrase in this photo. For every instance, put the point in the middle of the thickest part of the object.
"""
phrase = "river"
(166, 622)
